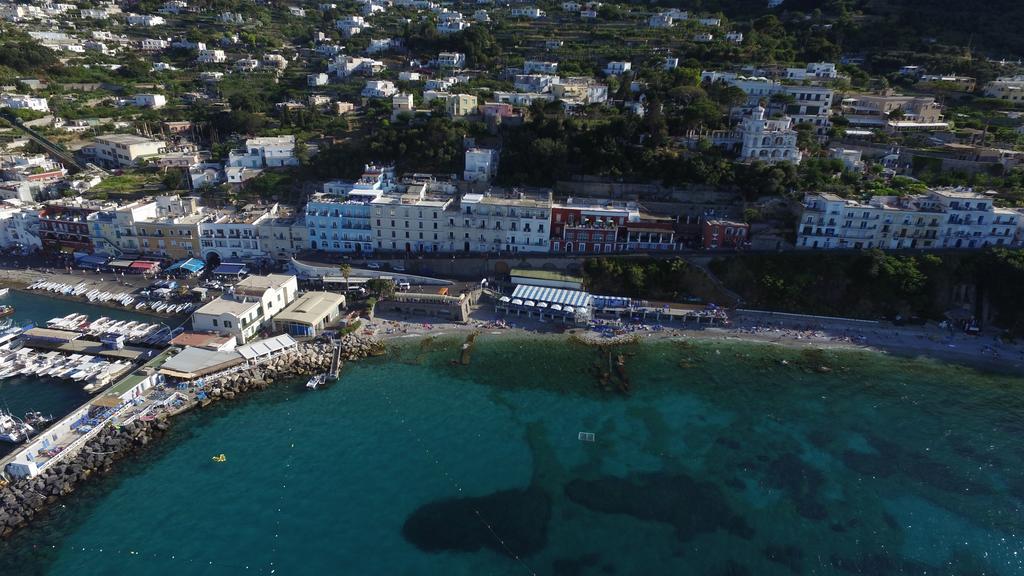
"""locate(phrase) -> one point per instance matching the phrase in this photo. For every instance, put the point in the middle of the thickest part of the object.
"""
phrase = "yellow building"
(175, 238)
(461, 105)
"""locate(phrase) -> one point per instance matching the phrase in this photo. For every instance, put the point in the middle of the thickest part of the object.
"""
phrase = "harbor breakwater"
(23, 500)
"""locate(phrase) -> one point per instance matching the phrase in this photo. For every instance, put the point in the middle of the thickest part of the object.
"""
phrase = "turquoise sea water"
(721, 460)
(49, 395)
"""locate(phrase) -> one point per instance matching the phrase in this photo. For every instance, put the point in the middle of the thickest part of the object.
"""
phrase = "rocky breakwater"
(307, 359)
(23, 500)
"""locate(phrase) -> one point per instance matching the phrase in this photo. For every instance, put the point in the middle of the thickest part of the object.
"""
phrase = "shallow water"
(721, 460)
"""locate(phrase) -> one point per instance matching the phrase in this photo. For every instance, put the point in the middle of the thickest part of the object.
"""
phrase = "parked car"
(373, 265)
(402, 284)
(398, 267)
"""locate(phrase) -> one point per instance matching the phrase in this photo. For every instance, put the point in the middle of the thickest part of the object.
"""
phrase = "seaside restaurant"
(558, 304)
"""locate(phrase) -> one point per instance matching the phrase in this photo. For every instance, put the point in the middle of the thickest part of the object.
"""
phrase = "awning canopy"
(505, 299)
(192, 265)
(266, 347)
(575, 298)
(556, 306)
(120, 264)
(92, 261)
(230, 269)
(144, 265)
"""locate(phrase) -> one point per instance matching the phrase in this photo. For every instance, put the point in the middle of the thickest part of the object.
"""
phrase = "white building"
(319, 79)
(147, 20)
(734, 37)
(379, 89)
(514, 223)
(120, 150)
(211, 57)
(154, 44)
(481, 165)
(401, 103)
(527, 12)
(804, 104)
(456, 60)
(540, 67)
(345, 66)
(19, 227)
(246, 64)
(410, 222)
(351, 25)
(23, 102)
(234, 237)
(1009, 88)
(813, 71)
(617, 68)
(769, 140)
(265, 152)
(940, 219)
(154, 101)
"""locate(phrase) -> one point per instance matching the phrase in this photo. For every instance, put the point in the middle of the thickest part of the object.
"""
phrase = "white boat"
(4, 291)
(316, 381)
(13, 430)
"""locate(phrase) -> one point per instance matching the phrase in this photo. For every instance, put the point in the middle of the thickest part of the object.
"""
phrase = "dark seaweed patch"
(690, 506)
(801, 483)
(892, 459)
(880, 565)
(576, 566)
(519, 517)
(789, 556)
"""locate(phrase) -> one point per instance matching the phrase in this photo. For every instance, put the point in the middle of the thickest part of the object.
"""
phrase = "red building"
(725, 234)
(589, 227)
(63, 228)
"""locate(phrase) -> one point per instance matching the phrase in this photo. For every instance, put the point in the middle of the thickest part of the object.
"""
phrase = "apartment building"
(804, 104)
(1009, 88)
(893, 111)
(768, 140)
(459, 105)
(339, 219)
(234, 237)
(514, 222)
(813, 71)
(410, 221)
(23, 102)
(64, 228)
(123, 150)
(19, 227)
(265, 152)
(940, 219)
(455, 60)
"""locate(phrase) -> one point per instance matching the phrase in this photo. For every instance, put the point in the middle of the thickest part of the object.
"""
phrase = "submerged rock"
(690, 506)
(519, 517)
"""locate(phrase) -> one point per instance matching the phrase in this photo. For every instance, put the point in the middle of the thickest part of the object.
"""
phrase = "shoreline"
(909, 346)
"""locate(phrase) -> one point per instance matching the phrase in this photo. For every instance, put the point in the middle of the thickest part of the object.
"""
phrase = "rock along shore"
(25, 499)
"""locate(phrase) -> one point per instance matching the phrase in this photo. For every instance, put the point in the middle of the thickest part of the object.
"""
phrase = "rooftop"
(223, 305)
(261, 284)
(311, 308)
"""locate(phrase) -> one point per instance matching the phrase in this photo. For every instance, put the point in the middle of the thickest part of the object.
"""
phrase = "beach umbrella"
(517, 302)
(556, 306)
(542, 304)
(505, 299)
(529, 303)
(568, 309)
